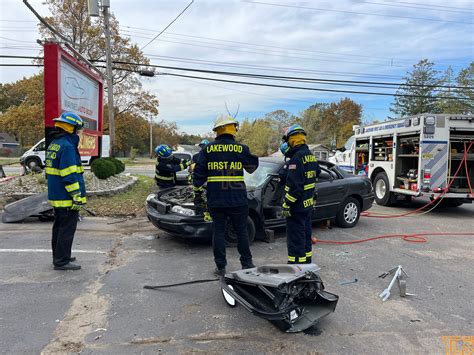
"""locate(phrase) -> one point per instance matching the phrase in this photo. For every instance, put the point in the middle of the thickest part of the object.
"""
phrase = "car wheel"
(33, 163)
(349, 213)
(231, 235)
(383, 196)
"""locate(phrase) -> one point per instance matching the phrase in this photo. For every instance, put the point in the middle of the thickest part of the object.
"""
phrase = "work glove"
(207, 217)
(188, 162)
(285, 210)
(77, 203)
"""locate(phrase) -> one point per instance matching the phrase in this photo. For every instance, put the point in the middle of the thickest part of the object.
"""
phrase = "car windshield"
(258, 177)
(186, 156)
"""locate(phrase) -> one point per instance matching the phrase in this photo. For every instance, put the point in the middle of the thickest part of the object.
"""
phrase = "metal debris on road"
(400, 276)
(345, 282)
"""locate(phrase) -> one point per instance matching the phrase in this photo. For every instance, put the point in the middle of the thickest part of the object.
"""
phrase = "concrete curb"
(111, 192)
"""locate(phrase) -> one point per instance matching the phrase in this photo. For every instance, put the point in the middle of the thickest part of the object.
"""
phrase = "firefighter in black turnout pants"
(167, 165)
(298, 201)
(66, 188)
(221, 164)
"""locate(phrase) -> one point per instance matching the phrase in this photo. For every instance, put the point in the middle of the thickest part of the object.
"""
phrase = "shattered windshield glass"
(258, 177)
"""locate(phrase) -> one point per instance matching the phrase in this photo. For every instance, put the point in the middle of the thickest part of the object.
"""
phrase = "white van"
(35, 156)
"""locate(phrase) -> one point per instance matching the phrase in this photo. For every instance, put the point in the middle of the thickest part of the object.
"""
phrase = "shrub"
(133, 153)
(103, 168)
(119, 165)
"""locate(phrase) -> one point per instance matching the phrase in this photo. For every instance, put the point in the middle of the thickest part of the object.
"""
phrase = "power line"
(164, 29)
(420, 6)
(278, 86)
(374, 84)
(354, 12)
(307, 88)
(268, 46)
(432, 5)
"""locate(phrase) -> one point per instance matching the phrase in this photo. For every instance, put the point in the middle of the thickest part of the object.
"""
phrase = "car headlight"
(181, 210)
(149, 198)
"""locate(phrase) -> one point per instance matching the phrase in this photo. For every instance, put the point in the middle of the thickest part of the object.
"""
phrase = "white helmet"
(223, 120)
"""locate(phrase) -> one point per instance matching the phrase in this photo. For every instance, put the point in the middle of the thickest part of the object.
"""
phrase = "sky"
(364, 40)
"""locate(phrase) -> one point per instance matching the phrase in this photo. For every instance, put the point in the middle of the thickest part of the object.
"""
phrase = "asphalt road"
(104, 309)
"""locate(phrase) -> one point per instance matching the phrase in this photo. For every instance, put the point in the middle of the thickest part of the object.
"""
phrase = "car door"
(330, 192)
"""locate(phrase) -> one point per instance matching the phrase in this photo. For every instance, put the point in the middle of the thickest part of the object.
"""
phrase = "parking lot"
(104, 308)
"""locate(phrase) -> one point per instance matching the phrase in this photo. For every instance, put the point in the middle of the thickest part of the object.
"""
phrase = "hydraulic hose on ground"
(411, 238)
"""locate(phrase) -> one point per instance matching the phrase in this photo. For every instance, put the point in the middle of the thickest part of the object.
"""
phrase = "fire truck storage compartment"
(362, 156)
(459, 141)
(382, 149)
(408, 153)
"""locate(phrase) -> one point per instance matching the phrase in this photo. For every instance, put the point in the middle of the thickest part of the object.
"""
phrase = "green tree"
(22, 111)
(337, 120)
(311, 120)
(465, 79)
(258, 136)
(449, 101)
(421, 83)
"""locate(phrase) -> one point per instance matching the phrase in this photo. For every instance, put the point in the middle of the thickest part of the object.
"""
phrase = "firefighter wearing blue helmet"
(221, 166)
(302, 170)
(167, 165)
(66, 189)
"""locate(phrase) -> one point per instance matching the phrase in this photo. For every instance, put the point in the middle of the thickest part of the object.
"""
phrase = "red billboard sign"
(69, 85)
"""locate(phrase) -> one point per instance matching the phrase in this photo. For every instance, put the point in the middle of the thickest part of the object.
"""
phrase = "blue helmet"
(293, 129)
(203, 143)
(71, 118)
(284, 148)
(163, 151)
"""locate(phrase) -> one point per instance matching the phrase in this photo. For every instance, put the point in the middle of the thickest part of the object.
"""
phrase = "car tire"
(349, 213)
(383, 196)
(231, 237)
(33, 163)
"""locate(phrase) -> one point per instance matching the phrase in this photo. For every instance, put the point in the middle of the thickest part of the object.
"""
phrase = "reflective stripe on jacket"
(302, 172)
(64, 171)
(221, 165)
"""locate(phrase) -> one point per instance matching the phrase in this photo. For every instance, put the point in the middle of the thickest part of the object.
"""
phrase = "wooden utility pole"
(110, 80)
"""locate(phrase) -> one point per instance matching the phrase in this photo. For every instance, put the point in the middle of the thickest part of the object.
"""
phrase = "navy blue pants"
(298, 237)
(64, 228)
(237, 216)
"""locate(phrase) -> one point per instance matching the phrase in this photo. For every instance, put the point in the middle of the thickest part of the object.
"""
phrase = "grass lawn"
(130, 203)
(6, 160)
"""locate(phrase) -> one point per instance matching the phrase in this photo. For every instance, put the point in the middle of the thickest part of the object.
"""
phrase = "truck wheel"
(383, 196)
(231, 236)
(33, 163)
(349, 213)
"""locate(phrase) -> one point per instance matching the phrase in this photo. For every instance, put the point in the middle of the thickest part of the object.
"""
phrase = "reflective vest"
(221, 165)
(64, 171)
(165, 170)
(302, 172)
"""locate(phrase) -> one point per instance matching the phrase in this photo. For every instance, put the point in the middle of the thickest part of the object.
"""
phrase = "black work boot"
(72, 259)
(248, 266)
(219, 272)
(68, 266)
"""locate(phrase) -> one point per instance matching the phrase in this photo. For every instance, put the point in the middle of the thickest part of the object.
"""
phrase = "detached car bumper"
(184, 226)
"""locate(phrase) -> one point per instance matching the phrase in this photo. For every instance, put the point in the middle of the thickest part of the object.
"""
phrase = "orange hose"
(411, 238)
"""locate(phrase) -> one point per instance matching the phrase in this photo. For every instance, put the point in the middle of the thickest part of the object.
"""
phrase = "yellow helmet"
(224, 120)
